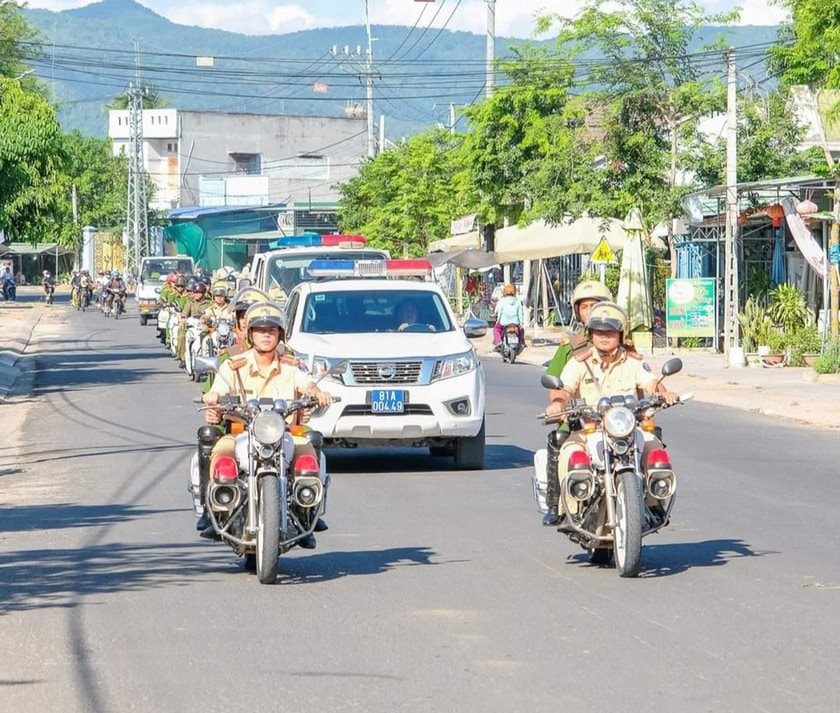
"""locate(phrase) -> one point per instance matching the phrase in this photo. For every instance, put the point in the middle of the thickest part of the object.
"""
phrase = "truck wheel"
(469, 452)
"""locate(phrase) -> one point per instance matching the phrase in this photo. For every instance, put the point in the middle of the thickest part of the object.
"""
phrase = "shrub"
(788, 308)
(829, 362)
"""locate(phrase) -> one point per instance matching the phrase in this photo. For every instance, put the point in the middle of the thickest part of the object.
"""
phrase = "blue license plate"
(387, 400)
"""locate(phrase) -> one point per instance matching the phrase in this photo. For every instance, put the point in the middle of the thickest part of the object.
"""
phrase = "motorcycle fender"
(539, 481)
(288, 447)
(195, 485)
(241, 450)
(595, 448)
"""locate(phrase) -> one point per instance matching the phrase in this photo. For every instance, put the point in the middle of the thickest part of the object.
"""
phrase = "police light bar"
(312, 240)
(369, 268)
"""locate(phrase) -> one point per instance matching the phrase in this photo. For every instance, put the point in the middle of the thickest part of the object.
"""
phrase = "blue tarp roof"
(195, 212)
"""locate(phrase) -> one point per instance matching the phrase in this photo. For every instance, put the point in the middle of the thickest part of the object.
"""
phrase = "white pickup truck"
(277, 272)
(153, 272)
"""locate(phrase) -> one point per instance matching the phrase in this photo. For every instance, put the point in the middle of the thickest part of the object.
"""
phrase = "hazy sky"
(514, 18)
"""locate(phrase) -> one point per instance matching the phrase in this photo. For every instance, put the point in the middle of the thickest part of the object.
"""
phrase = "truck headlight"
(455, 365)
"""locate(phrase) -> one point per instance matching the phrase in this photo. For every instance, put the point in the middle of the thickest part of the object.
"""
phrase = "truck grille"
(387, 373)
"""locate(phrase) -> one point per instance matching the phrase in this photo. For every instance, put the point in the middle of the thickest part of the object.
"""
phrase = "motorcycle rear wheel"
(268, 533)
(628, 525)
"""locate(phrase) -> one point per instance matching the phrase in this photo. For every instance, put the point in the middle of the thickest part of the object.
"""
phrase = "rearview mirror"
(475, 327)
(672, 366)
(204, 365)
(550, 381)
(243, 283)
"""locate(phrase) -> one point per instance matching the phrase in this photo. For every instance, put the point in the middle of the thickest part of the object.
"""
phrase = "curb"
(17, 340)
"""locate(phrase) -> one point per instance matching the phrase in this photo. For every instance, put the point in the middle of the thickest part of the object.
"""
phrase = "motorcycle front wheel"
(628, 525)
(268, 532)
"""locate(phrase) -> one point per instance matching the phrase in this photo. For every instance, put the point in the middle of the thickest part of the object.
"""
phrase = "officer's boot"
(552, 488)
(207, 437)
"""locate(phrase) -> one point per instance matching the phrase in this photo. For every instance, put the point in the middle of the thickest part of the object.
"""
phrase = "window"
(249, 163)
(172, 148)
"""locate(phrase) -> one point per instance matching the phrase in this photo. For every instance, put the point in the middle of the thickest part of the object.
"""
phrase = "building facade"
(199, 158)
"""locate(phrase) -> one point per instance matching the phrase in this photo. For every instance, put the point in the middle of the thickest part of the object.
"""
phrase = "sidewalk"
(17, 321)
(794, 393)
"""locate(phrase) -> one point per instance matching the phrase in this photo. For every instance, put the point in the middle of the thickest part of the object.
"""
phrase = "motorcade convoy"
(412, 377)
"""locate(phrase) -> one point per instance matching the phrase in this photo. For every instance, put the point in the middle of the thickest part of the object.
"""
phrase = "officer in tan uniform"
(263, 371)
(605, 369)
(585, 296)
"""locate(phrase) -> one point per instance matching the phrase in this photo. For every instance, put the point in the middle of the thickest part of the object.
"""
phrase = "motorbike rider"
(606, 368)
(48, 283)
(241, 302)
(116, 286)
(264, 370)
(220, 308)
(585, 296)
(74, 289)
(509, 310)
(192, 308)
(8, 282)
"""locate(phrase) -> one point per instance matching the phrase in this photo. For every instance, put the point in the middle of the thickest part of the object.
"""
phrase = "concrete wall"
(303, 156)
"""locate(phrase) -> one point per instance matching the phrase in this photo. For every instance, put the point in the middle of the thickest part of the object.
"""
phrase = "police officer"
(192, 308)
(264, 371)
(605, 368)
(585, 296)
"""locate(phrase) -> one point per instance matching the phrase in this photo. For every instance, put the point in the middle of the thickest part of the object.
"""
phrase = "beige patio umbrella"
(633, 290)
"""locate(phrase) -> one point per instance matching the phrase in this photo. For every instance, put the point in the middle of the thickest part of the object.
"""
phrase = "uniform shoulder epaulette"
(583, 355)
(237, 363)
(578, 342)
(291, 360)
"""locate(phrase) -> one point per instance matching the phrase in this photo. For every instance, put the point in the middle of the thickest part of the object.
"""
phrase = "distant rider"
(509, 310)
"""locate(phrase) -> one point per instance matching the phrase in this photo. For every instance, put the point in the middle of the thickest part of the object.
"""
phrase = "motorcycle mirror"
(474, 327)
(550, 381)
(243, 283)
(203, 365)
(672, 366)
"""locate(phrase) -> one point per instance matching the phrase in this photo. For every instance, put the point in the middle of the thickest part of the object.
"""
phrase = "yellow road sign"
(603, 253)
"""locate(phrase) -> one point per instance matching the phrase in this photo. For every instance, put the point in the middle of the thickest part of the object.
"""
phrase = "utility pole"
(491, 45)
(137, 218)
(369, 82)
(730, 278)
(452, 119)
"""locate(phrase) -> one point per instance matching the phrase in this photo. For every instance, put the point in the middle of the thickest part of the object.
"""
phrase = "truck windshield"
(285, 272)
(156, 270)
(356, 312)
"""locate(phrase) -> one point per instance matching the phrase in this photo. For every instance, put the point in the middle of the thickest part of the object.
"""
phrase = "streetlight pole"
(730, 309)
(369, 77)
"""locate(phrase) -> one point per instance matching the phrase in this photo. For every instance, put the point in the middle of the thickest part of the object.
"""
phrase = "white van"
(153, 272)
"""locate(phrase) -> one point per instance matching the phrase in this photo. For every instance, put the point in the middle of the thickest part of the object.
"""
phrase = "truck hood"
(148, 290)
(389, 345)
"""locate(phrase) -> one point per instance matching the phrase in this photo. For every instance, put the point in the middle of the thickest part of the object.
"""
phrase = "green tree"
(405, 197)
(100, 182)
(151, 99)
(31, 160)
(14, 32)
(807, 54)
(651, 88)
(768, 140)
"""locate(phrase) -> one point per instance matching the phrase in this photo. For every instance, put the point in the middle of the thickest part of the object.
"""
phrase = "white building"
(214, 159)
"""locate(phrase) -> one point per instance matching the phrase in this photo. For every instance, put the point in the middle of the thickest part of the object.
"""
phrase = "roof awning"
(36, 249)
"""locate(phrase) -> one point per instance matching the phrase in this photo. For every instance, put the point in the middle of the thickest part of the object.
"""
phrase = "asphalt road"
(434, 590)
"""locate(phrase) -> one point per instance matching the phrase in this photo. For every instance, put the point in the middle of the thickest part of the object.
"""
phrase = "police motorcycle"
(263, 502)
(614, 494)
(221, 337)
(192, 344)
(164, 310)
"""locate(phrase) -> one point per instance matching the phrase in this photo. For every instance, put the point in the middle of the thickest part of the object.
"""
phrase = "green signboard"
(690, 307)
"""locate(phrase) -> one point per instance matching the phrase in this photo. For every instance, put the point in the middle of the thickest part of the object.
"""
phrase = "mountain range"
(91, 54)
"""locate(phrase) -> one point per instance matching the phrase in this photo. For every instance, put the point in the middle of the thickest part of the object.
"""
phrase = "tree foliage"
(405, 197)
(31, 160)
(807, 51)
(14, 30)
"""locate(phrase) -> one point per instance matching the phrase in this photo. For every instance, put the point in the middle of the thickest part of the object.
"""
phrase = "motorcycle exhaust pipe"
(224, 498)
(307, 491)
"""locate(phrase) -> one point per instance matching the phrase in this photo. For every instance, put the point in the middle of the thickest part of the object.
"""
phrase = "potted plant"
(755, 326)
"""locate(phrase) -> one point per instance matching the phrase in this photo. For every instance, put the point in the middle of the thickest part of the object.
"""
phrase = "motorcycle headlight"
(223, 329)
(455, 365)
(619, 422)
(268, 427)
